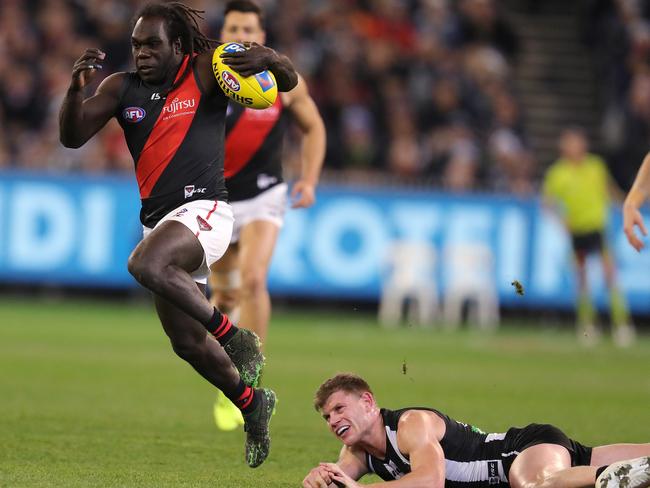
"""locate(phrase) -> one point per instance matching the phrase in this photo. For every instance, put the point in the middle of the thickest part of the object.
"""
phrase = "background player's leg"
(225, 296)
(163, 262)
(256, 243)
(549, 466)
(585, 309)
(225, 282)
(622, 328)
(253, 253)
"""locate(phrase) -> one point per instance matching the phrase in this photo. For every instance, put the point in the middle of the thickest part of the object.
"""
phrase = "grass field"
(91, 394)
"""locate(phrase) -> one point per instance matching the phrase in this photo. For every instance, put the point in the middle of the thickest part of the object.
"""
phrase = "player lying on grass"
(422, 447)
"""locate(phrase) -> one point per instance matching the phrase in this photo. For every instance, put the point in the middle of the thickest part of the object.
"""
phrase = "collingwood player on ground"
(422, 447)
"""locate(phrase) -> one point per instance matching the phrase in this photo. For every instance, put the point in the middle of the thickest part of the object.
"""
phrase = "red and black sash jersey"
(253, 161)
(177, 143)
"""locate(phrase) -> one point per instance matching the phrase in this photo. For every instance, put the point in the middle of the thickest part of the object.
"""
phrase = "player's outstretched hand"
(632, 218)
(339, 477)
(317, 478)
(254, 59)
(303, 194)
(85, 67)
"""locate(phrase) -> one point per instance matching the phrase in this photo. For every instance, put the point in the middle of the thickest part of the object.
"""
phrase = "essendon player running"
(172, 113)
(256, 190)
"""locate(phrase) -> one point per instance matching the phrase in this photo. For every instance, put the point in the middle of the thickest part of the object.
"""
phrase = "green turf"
(91, 394)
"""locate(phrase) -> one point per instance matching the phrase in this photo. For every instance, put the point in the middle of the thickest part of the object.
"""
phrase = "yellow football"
(256, 91)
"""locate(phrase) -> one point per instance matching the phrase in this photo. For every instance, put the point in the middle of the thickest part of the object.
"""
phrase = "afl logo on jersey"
(133, 114)
(230, 80)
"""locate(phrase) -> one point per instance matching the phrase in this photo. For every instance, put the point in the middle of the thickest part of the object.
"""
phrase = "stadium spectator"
(620, 32)
(377, 71)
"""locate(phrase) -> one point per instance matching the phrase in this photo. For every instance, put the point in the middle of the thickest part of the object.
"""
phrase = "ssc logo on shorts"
(234, 47)
(133, 114)
(230, 80)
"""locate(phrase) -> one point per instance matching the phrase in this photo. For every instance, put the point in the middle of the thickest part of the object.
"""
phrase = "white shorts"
(212, 222)
(269, 206)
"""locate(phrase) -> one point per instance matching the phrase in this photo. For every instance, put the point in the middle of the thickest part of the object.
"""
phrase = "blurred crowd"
(619, 30)
(421, 90)
(418, 88)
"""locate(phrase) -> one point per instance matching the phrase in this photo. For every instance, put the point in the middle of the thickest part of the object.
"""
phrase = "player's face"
(242, 27)
(156, 58)
(349, 415)
(573, 145)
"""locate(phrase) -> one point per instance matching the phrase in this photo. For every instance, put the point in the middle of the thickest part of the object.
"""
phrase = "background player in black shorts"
(421, 447)
(579, 186)
(172, 113)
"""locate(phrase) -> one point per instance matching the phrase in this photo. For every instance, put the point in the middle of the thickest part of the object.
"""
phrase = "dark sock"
(244, 397)
(221, 327)
(600, 470)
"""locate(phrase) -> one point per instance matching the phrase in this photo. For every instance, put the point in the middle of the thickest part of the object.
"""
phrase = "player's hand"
(254, 59)
(303, 194)
(317, 478)
(631, 218)
(85, 67)
(339, 477)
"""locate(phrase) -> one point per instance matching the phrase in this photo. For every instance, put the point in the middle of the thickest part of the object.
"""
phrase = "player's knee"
(188, 350)
(147, 272)
(253, 281)
(226, 301)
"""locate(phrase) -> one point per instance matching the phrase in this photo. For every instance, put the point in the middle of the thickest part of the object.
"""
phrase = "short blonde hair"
(348, 382)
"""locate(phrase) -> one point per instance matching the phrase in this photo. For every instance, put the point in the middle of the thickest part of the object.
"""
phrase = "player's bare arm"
(635, 199)
(351, 463)
(259, 58)
(305, 113)
(80, 119)
(418, 438)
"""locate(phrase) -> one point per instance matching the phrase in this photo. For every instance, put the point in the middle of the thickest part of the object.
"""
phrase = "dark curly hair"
(181, 22)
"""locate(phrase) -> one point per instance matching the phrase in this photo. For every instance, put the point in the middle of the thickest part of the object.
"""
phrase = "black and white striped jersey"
(473, 459)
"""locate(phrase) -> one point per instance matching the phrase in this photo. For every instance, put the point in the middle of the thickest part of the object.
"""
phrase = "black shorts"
(587, 243)
(517, 440)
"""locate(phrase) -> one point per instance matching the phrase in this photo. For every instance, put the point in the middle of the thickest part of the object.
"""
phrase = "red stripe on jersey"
(168, 132)
(247, 135)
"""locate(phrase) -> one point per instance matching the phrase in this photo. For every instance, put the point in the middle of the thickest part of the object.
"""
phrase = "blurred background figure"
(410, 280)
(578, 185)
(470, 284)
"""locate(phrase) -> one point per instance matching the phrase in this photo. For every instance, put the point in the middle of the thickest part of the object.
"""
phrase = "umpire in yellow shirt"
(578, 185)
